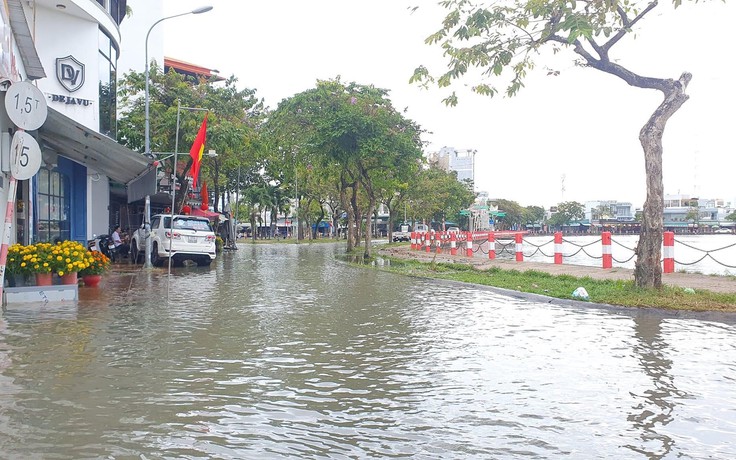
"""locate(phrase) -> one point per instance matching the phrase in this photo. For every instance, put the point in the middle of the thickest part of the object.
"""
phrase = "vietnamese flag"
(198, 149)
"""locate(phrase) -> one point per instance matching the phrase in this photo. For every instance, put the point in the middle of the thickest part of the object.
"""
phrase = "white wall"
(59, 35)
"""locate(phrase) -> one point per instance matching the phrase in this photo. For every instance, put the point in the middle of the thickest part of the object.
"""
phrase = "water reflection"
(655, 408)
(282, 351)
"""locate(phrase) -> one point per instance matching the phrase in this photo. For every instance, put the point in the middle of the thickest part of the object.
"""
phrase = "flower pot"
(91, 280)
(43, 279)
(69, 278)
(18, 280)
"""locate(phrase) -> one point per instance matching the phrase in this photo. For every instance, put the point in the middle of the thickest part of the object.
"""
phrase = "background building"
(461, 161)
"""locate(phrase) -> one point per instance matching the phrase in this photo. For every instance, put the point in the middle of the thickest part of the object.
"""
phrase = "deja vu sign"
(70, 74)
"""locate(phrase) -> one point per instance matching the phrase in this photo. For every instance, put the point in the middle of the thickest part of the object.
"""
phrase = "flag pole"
(173, 188)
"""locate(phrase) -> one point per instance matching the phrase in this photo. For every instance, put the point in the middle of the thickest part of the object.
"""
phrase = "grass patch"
(613, 292)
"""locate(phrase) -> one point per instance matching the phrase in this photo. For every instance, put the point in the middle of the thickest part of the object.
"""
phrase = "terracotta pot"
(91, 280)
(43, 279)
(69, 278)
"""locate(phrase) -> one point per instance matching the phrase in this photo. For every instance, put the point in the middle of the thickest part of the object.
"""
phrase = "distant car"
(453, 230)
(421, 228)
(403, 234)
(192, 239)
(723, 230)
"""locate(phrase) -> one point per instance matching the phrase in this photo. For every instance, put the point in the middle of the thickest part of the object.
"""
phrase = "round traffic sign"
(26, 105)
(25, 156)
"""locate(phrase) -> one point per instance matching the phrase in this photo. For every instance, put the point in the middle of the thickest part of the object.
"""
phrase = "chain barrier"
(572, 243)
(708, 254)
(478, 243)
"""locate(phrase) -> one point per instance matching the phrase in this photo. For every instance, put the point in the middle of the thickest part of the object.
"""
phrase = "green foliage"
(494, 45)
(515, 214)
(567, 212)
(233, 120)
(350, 138)
(437, 196)
(534, 214)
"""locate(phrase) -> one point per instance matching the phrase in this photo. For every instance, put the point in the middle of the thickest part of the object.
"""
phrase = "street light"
(147, 147)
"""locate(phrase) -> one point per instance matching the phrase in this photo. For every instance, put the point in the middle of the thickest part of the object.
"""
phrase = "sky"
(571, 137)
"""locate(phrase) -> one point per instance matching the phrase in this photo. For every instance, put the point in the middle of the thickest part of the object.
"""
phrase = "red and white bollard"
(430, 240)
(669, 252)
(453, 244)
(607, 256)
(518, 239)
(558, 248)
(469, 245)
(412, 238)
(491, 245)
(438, 243)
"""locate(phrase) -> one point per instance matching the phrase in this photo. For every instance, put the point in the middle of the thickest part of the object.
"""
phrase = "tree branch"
(627, 25)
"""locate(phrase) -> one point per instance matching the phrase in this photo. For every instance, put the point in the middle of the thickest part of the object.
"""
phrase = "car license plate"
(191, 239)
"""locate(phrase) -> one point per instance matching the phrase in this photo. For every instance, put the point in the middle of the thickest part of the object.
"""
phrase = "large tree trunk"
(357, 215)
(648, 269)
(349, 211)
(368, 232)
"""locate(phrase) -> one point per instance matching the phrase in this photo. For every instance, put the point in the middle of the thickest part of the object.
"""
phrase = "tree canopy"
(496, 45)
(351, 134)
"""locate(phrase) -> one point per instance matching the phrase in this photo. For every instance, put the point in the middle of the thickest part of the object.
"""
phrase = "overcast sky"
(582, 124)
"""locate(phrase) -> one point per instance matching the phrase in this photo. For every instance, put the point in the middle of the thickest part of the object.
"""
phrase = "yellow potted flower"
(97, 264)
(37, 259)
(17, 269)
(67, 259)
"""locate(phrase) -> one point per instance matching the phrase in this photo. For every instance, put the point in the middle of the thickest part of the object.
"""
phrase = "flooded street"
(283, 351)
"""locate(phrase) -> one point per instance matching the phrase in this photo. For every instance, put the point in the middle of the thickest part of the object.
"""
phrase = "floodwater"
(283, 351)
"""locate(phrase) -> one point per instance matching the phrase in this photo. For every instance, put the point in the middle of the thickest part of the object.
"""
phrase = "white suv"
(192, 239)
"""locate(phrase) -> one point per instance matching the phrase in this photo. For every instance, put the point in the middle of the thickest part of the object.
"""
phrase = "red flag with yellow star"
(198, 149)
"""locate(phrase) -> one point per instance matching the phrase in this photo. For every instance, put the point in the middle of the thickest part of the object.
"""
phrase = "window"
(107, 75)
(53, 206)
(188, 223)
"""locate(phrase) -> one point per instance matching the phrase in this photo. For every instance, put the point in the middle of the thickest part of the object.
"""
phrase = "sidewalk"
(712, 283)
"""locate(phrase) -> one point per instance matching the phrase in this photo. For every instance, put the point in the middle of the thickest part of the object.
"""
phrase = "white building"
(608, 210)
(461, 161)
(688, 211)
(69, 50)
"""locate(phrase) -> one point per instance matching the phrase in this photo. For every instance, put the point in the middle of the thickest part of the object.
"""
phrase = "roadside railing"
(512, 244)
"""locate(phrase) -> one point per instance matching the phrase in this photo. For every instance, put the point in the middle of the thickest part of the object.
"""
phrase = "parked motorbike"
(103, 244)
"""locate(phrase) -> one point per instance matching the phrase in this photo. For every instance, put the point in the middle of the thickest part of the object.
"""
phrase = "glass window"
(107, 76)
(188, 223)
(53, 207)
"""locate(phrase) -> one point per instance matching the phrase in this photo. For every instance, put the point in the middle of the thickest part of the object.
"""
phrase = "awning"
(24, 40)
(92, 149)
(211, 215)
